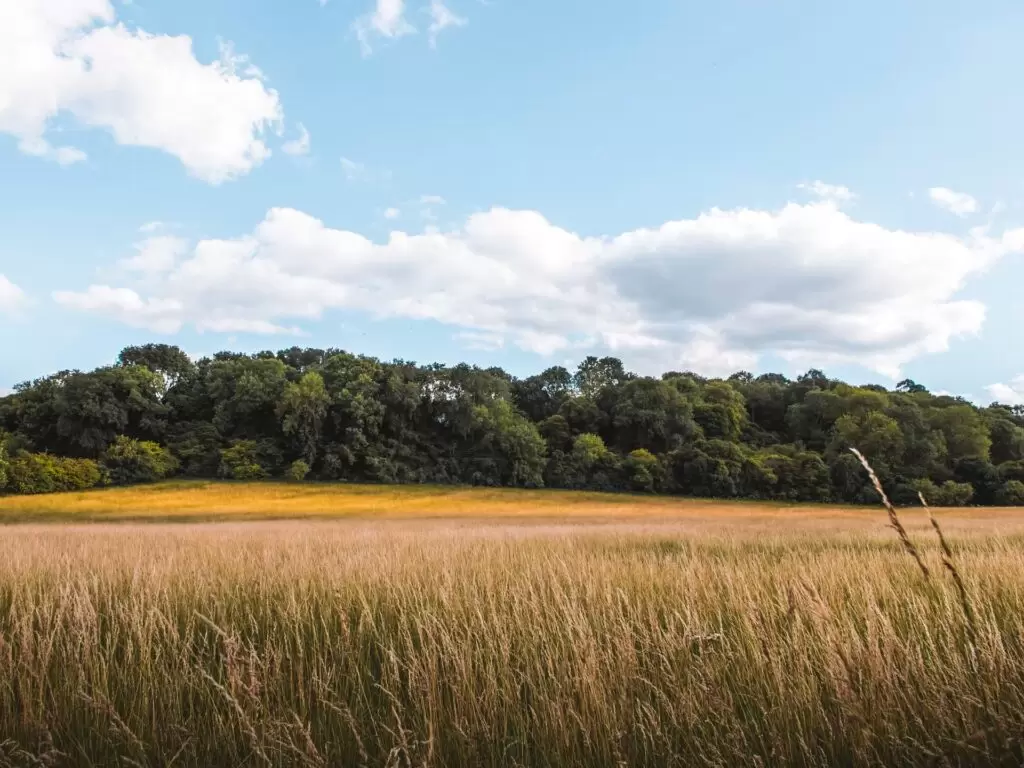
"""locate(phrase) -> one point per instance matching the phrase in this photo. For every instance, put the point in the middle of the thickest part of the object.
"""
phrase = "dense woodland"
(329, 415)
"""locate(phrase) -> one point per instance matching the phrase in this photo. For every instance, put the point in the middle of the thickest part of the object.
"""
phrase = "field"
(431, 627)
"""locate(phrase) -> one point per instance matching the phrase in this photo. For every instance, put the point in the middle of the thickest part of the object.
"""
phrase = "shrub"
(1011, 494)
(297, 471)
(642, 470)
(44, 473)
(949, 494)
(131, 461)
(241, 461)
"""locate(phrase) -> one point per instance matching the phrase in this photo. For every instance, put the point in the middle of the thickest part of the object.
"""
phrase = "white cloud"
(299, 146)
(151, 226)
(834, 192)
(808, 283)
(12, 298)
(392, 213)
(441, 18)
(1009, 394)
(431, 200)
(40, 147)
(72, 56)
(959, 203)
(156, 255)
(386, 20)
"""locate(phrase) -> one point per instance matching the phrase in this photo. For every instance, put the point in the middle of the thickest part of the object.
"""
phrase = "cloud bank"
(713, 293)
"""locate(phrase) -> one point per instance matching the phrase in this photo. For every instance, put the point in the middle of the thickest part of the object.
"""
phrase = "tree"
(302, 410)
(594, 374)
(241, 461)
(297, 471)
(508, 448)
(643, 470)
(1011, 494)
(911, 386)
(539, 397)
(964, 431)
(876, 435)
(167, 361)
(129, 461)
(647, 413)
(1007, 441)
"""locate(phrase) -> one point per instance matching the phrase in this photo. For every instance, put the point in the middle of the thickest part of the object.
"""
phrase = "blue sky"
(518, 183)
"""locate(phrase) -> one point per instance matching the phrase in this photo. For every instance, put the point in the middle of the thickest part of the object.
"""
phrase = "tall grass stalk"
(894, 520)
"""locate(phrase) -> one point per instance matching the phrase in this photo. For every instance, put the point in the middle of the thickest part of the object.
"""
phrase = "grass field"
(431, 627)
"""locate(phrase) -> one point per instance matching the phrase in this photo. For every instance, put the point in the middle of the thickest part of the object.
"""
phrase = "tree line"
(334, 416)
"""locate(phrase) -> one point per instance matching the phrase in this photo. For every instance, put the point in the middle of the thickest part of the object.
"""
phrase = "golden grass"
(242, 501)
(714, 635)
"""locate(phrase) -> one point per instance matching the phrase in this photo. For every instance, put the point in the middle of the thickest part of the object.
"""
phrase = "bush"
(131, 461)
(44, 473)
(642, 470)
(297, 471)
(949, 494)
(241, 461)
(1011, 494)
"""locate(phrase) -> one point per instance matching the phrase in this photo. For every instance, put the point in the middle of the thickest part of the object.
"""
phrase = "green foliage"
(1011, 494)
(642, 470)
(297, 471)
(948, 494)
(241, 461)
(302, 410)
(355, 418)
(130, 461)
(45, 473)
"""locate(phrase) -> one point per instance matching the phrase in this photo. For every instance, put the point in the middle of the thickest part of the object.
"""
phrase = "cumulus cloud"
(1009, 394)
(74, 57)
(299, 146)
(392, 213)
(958, 203)
(12, 298)
(834, 192)
(387, 20)
(156, 255)
(441, 18)
(712, 293)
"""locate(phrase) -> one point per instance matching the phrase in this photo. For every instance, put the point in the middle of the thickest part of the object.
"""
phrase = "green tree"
(964, 431)
(302, 410)
(242, 461)
(1007, 441)
(297, 471)
(165, 360)
(129, 461)
(643, 470)
(648, 414)
(593, 375)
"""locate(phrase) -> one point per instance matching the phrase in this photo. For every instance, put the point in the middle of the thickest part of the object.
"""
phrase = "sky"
(684, 185)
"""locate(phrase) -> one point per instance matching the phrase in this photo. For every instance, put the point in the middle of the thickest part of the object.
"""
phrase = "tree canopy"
(333, 416)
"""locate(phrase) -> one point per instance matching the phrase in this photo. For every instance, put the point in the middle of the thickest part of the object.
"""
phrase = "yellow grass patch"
(184, 500)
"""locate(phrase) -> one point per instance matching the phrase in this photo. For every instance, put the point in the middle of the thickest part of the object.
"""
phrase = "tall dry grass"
(444, 644)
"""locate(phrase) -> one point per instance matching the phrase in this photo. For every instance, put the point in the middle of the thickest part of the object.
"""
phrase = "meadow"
(229, 624)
